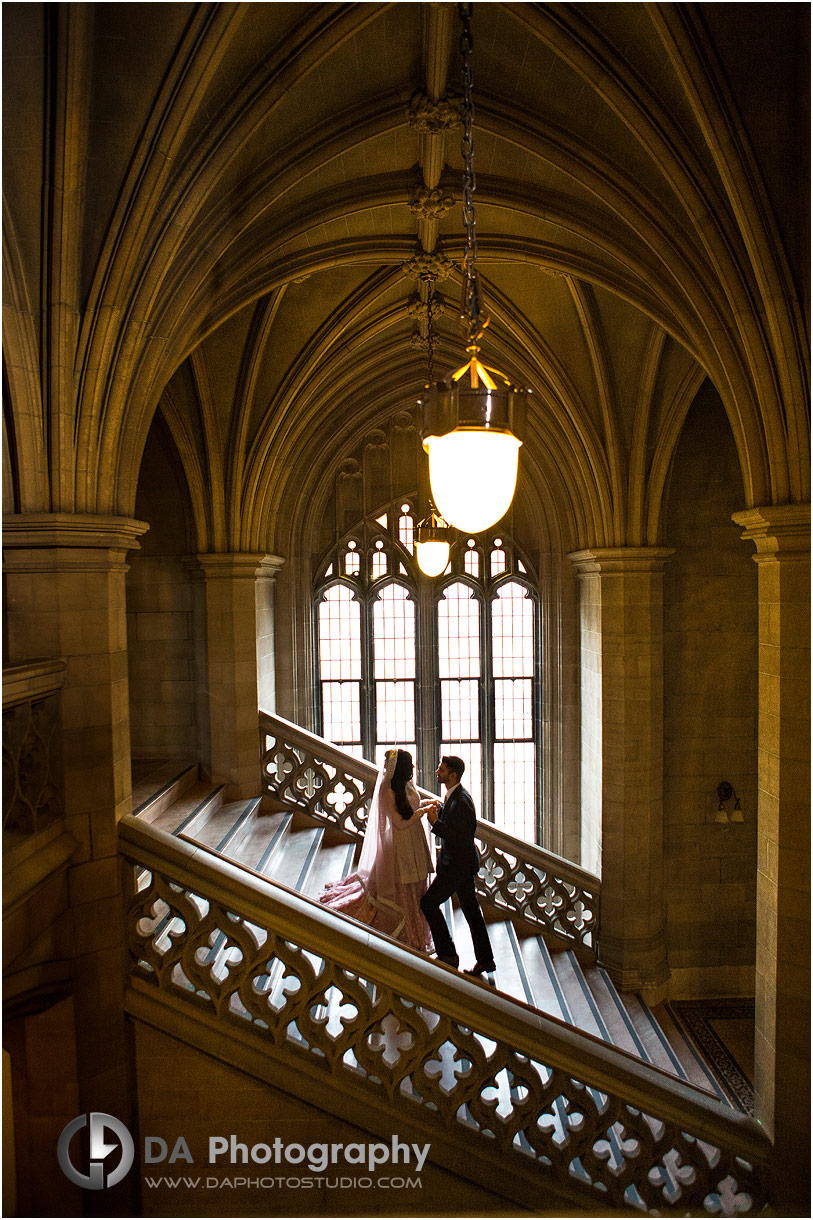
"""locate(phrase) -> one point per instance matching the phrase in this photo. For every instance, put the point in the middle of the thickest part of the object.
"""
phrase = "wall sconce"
(724, 817)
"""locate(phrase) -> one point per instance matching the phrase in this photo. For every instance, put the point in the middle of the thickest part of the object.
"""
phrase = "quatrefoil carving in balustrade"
(147, 936)
(311, 781)
(283, 766)
(340, 798)
(520, 887)
(492, 872)
(391, 1041)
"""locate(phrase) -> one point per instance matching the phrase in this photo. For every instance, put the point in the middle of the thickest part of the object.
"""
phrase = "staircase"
(294, 850)
(550, 1072)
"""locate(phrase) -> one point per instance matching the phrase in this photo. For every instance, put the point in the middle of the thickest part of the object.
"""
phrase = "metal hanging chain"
(474, 316)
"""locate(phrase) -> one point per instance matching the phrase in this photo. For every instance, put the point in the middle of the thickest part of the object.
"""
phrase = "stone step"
(542, 978)
(163, 787)
(616, 1023)
(292, 863)
(263, 838)
(221, 826)
(334, 861)
(652, 1036)
(696, 1072)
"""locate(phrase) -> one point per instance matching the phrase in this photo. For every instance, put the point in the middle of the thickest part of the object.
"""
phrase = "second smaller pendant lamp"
(472, 420)
(432, 538)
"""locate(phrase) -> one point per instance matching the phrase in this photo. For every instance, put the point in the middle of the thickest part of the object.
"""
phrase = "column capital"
(35, 542)
(233, 565)
(778, 531)
(620, 559)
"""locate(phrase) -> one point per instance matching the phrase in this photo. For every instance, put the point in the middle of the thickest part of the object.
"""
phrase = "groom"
(453, 823)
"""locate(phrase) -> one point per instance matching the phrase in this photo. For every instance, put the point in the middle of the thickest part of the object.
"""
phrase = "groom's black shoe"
(454, 962)
(478, 968)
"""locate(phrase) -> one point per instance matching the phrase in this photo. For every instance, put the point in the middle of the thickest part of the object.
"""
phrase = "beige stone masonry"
(65, 597)
(781, 535)
(622, 755)
(231, 586)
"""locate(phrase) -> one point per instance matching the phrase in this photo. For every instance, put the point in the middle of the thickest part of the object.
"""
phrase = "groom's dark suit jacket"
(455, 829)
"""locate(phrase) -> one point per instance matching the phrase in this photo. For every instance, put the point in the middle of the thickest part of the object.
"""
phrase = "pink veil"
(376, 866)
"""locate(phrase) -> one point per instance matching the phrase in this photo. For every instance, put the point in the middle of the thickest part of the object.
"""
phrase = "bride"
(386, 890)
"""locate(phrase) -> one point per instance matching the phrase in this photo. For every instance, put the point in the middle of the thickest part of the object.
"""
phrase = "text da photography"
(226, 1150)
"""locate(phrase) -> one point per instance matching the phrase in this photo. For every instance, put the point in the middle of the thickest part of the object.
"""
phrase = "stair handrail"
(305, 771)
(620, 1104)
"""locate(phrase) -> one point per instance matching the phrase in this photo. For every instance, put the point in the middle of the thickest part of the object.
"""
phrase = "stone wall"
(160, 619)
(44, 1098)
(710, 714)
(183, 1092)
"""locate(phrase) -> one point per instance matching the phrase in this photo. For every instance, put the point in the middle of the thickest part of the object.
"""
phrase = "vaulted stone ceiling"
(243, 195)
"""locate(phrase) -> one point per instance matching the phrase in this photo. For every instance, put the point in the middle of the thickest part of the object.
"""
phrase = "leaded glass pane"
(471, 562)
(473, 777)
(406, 529)
(460, 709)
(514, 789)
(341, 712)
(379, 561)
(458, 633)
(395, 711)
(513, 712)
(339, 635)
(394, 633)
(512, 619)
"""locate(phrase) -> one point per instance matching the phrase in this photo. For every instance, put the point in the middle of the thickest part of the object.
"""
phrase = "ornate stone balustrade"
(303, 771)
(521, 1099)
(33, 792)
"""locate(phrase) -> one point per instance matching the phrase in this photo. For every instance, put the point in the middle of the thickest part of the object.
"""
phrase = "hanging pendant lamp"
(432, 544)
(472, 422)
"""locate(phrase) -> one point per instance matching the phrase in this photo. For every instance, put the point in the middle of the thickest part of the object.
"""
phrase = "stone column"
(65, 597)
(233, 662)
(621, 607)
(782, 1043)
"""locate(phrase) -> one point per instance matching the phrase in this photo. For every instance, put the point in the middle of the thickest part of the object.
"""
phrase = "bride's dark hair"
(398, 783)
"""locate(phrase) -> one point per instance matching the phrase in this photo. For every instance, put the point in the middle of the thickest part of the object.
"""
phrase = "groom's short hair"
(453, 763)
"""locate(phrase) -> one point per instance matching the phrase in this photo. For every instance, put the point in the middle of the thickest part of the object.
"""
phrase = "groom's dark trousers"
(456, 870)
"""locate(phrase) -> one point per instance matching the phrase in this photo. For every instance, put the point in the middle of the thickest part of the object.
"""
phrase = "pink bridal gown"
(385, 891)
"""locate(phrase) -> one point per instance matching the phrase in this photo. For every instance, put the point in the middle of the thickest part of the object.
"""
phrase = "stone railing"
(316, 1004)
(33, 789)
(306, 772)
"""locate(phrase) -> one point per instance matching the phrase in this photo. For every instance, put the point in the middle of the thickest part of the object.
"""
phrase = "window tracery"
(447, 666)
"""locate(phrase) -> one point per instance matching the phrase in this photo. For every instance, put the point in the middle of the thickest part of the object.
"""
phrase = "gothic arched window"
(445, 666)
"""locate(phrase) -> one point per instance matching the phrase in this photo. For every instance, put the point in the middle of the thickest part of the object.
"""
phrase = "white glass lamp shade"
(473, 474)
(433, 557)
